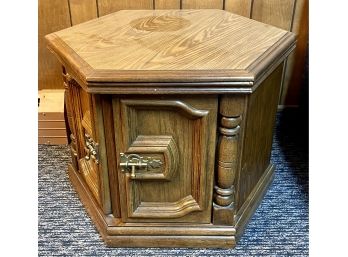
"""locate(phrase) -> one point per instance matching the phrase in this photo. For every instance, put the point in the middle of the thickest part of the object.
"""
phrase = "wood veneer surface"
(171, 40)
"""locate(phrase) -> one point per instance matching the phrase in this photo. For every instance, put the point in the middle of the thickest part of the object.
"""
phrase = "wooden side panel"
(296, 61)
(110, 6)
(101, 137)
(261, 110)
(82, 11)
(290, 15)
(241, 7)
(274, 12)
(53, 16)
(202, 4)
(109, 134)
(167, 4)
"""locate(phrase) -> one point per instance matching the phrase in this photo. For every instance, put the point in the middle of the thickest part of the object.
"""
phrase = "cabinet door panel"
(177, 138)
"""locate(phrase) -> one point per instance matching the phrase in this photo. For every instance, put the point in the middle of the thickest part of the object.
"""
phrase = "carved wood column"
(227, 164)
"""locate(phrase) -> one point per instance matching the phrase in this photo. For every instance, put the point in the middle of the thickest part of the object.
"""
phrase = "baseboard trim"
(253, 201)
(118, 234)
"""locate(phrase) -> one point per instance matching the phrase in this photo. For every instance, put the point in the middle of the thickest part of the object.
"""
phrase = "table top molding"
(179, 78)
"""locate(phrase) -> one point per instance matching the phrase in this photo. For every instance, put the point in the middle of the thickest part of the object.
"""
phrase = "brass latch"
(91, 149)
(132, 162)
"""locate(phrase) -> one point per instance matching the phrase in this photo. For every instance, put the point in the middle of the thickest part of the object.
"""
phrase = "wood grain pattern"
(280, 15)
(80, 123)
(74, 108)
(104, 178)
(222, 236)
(181, 197)
(274, 12)
(82, 11)
(227, 161)
(110, 6)
(262, 106)
(151, 117)
(89, 172)
(167, 4)
(296, 61)
(240, 7)
(53, 15)
(69, 120)
(202, 4)
(106, 106)
(254, 199)
(211, 41)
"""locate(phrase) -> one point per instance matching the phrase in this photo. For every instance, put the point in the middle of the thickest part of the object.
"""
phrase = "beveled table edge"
(172, 81)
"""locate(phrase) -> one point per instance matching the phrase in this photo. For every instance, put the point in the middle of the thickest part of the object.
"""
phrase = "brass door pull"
(132, 162)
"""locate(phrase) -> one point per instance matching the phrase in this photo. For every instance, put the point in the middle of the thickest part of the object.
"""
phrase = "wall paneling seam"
(251, 9)
(293, 15)
(97, 6)
(69, 12)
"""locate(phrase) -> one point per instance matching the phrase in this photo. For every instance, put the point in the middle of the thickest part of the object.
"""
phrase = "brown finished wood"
(240, 7)
(218, 237)
(293, 77)
(77, 10)
(202, 4)
(189, 40)
(171, 151)
(253, 201)
(274, 12)
(53, 15)
(110, 6)
(82, 11)
(182, 197)
(232, 111)
(262, 106)
(204, 51)
(106, 106)
(103, 162)
(167, 4)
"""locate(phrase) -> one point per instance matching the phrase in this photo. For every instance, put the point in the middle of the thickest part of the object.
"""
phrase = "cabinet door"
(174, 138)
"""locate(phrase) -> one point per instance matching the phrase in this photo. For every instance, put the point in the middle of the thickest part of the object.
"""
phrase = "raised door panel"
(171, 144)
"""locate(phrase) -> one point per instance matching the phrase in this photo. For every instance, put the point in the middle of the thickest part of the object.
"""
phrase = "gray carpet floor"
(278, 228)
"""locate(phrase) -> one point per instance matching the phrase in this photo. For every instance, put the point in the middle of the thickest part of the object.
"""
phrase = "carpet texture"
(278, 228)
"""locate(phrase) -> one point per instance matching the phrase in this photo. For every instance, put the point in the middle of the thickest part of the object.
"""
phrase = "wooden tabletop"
(171, 45)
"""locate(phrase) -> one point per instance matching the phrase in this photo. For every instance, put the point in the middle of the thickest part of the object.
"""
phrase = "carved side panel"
(227, 161)
(74, 114)
(70, 119)
(84, 149)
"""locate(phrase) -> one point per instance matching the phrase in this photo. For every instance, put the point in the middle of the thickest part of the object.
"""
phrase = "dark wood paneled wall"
(291, 15)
